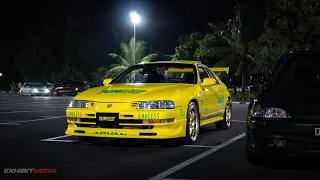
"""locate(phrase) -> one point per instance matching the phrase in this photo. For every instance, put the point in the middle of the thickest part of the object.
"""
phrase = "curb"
(237, 102)
(7, 92)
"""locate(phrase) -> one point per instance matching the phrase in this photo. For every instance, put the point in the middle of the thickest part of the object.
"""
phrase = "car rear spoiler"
(215, 69)
(220, 69)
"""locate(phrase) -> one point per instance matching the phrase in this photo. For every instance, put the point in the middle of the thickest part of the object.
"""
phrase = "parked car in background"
(68, 88)
(232, 88)
(33, 88)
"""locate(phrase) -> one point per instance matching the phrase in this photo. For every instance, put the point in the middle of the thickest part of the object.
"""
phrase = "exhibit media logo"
(30, 170)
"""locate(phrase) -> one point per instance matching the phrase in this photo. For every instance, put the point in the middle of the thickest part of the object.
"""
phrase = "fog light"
(279, 143)
(72, 119)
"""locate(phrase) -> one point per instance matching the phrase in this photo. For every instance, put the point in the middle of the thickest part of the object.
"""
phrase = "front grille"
(130, 121)
(113, 124)
(87, 120)
(86, 125)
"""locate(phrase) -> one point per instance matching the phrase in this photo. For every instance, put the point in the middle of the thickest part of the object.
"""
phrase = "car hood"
(130, 92)
(299, 101)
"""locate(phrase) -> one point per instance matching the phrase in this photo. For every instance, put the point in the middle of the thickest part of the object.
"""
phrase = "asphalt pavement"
(32, 136)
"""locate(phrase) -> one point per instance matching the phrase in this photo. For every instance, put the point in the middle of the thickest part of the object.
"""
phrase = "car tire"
(55, 93)
(193, 124)
(225, 124)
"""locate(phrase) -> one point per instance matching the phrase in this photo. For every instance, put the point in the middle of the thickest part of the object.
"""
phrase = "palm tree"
(125, 60)
(232, 33)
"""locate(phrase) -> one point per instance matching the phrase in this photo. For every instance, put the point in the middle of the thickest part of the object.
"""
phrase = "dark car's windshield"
(158, 73)
(299, 69)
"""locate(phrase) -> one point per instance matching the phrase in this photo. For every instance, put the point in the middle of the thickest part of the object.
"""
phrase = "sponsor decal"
(74, 114)
(131, 91)
(148, 115)
(182, 113)
(220, 100)
(111, 133)
(106, 118)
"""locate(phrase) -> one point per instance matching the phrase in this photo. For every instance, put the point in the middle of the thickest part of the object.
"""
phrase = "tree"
(188, 46)
(68, 73)
(296, 23)
(237, 33)
(211, 49)
(99, 75)
(125, 60)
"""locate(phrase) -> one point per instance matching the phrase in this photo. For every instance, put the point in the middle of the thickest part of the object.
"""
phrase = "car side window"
(212, 75)
(203, 73)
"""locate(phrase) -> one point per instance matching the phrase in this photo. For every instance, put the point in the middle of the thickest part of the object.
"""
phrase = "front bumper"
(282, 138)
(129, 123)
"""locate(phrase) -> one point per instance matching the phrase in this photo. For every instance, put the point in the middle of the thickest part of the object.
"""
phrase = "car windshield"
(158, 73)
(299, 69)
(36, 85)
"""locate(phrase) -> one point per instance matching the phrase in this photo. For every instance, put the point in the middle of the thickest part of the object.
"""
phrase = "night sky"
(163, 21)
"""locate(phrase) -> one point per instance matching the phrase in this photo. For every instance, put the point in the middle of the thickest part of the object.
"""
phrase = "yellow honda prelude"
(155, 100)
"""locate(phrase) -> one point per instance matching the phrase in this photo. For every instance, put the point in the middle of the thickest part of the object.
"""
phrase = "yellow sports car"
(156, 100)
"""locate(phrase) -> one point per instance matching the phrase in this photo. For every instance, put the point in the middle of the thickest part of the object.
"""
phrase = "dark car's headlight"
(78, 104)
(269, 112)
(156, 105)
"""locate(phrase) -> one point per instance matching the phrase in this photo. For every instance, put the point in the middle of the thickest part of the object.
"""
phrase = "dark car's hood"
(299, 100)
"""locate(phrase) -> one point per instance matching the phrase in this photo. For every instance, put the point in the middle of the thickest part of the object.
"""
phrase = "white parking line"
(196, 158)
(12, 112)
(175, 179)
(11, 124)
(33, 120)
(198, 146)
(67, 141)
(58, 139)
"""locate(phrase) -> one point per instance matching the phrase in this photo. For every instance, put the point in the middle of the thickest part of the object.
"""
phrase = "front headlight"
(156, 105)
(270, 112)
(35, 90)
(46, 91)
(78, 104)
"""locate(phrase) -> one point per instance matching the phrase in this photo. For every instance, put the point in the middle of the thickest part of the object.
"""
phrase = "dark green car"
(284, 119)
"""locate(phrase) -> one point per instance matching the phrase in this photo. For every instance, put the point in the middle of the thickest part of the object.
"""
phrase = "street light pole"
(134, 43)
(135, 19)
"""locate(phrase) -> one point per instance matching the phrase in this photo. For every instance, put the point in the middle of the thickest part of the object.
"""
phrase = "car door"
(219, 91)
(208, 101)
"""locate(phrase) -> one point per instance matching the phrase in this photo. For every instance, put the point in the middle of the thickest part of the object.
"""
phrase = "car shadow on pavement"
(146, 143)
(293, 163)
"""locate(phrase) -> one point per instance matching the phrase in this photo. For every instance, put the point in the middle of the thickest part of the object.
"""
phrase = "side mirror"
(208, 82)
(107, 81)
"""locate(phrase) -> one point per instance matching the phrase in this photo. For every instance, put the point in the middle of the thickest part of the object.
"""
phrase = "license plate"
(316, 131)
(107, 118)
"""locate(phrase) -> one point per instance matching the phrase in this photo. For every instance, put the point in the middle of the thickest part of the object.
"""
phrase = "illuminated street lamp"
(135, 19)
